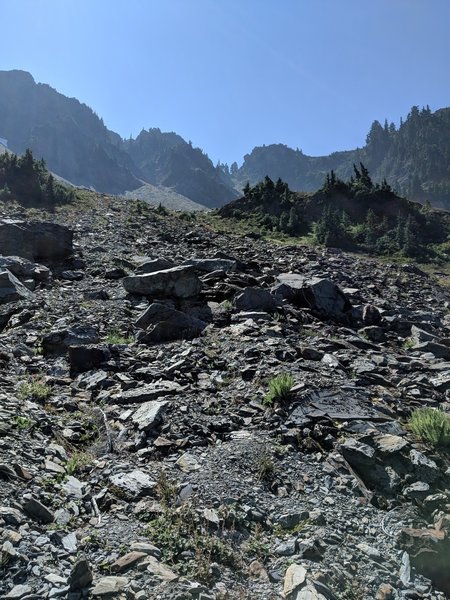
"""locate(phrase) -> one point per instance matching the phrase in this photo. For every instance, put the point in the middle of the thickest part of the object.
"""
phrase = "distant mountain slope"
(415, 159)
(156, 195)
(167, 159)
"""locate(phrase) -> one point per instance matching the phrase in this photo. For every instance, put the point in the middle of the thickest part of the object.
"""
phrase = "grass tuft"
(114, 336)
(279, 389)
(35, 389)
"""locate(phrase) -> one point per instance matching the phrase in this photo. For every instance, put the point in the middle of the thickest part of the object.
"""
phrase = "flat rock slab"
(24, 269)
(136, 483)
(340, 405)
(178, 282)
(391, 444)
(209, 265)
(127, 561)
(149, 414)
(148, 392)
(160, 569)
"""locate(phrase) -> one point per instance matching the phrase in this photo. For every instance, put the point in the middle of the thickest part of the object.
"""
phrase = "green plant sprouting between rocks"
(280, 388)
(431, 425)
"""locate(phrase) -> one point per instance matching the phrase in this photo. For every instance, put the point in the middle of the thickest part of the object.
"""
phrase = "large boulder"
(11, 289)
(163, 324)
(178, 282)
(322, 296)
(34, 240)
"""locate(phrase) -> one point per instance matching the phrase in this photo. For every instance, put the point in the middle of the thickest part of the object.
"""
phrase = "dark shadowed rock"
(83, 358)
(32, 240)
(37, 510)
(178, 282)
(254, 298)
(60, 340)
(80, 576)
(320, 295)
(164, 323)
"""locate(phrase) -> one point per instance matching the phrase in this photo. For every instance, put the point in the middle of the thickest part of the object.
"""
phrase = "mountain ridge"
(76, 144)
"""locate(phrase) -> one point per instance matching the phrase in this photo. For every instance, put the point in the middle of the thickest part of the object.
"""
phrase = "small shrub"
(77, 462)
(35, 389)
(431, 425)
(279, 389)
(265, 466)
(166, 490)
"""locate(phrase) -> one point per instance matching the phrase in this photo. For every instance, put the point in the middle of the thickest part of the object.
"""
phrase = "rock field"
(139, 454)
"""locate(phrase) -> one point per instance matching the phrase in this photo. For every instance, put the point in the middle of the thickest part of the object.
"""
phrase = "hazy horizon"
(230, 76)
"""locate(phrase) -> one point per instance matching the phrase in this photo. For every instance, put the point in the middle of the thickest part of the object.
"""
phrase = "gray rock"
(11, 516)
(417, 491)
(209, 265)
(73, 487)
(294, 579)
(437, 350)
(60, 340)
(148, 392)
(152, 266)
(69, 542)
(358, 454)
(35, 240)
(178, 282)
(286, 548)
(146, 548)
(110, 585)
(84, 358)
(424, 468)
(11, 289)
(18, 591)
(136, 483)
(24, 269)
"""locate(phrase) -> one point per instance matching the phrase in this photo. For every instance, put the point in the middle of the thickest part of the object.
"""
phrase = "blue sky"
(233, 74)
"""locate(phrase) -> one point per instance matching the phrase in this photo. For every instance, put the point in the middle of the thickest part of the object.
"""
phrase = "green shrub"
(431, 425)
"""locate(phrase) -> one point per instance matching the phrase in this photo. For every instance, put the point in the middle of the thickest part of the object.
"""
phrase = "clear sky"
(233, 74)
